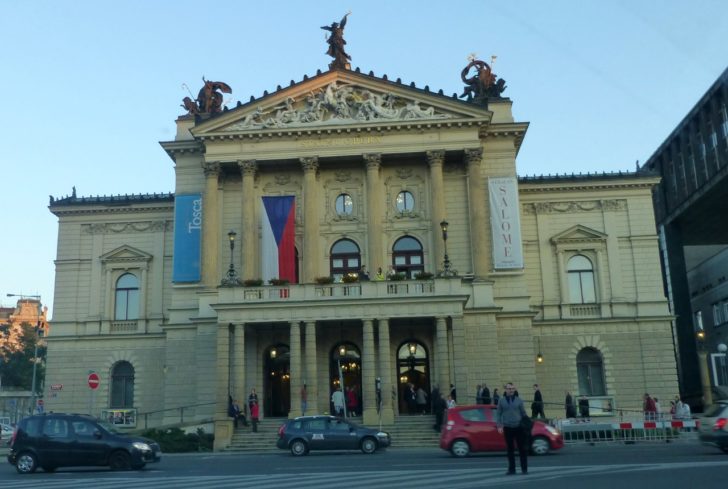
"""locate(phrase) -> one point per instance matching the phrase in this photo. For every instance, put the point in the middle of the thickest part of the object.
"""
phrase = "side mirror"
(97, 434)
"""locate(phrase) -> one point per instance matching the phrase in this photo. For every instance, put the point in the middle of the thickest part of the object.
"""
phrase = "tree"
(16, 358)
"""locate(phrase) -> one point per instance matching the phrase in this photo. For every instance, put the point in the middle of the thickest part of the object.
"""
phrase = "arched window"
(581, 280)
(122, 386)
(126, 306)
(407, 256)
(344, 205)
(590, 370)
(345, 258)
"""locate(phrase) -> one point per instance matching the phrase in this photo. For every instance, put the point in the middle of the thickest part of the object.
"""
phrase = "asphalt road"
(683, 465)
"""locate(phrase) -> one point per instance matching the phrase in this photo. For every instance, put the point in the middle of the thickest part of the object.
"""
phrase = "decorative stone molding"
(248, 167)
(337, 104)
(211, 168)
(342, 176)
(435, 157)
(473, 156)
(126, 227)
(373, 160)
(574, 206)
(282, 179)
(309, 163)
(404, 173)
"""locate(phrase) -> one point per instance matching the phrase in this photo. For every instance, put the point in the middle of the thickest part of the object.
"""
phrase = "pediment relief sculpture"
(578, 233)
(337, 104)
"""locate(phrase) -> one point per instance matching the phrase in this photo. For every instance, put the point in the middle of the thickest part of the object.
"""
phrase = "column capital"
(309, 163)
(436, 157)
(372, 160)
(473, 156)
(211, 168)
(248, 167)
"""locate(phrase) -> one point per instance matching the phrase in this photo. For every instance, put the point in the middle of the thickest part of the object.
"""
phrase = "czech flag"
(278, 229)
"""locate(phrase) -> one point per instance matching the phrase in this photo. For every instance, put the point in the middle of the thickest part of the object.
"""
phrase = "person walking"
(439, 405)
(252, 399)
(337, 399)
(569, 406)
(434, 397)
(304, 400)
(649, 408)
(410, 397)
(496, 396)
(254, 413)
(453, 392)
(479, 394)
(537, 404)
(510, 415)
(485, 394)
(421, 397)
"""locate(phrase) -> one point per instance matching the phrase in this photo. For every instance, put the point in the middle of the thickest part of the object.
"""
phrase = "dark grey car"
(305, 433)
(714, 425)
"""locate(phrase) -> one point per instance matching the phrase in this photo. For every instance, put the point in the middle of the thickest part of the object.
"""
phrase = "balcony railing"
(584, 310)
(123, 326)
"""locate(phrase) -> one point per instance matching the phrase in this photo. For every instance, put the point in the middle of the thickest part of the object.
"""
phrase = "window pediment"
(125, 255)
(578, 235)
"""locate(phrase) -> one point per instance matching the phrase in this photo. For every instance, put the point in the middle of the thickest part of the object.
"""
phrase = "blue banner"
(187, 235)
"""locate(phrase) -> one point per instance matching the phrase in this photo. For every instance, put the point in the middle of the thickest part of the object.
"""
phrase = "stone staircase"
(407, 432)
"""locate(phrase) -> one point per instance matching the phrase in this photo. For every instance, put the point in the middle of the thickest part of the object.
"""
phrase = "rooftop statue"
(209, 98)
(336, 44)
(483, 84)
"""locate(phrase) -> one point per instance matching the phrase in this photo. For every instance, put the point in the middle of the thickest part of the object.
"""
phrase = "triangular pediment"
(342, 99)
(125, 254)
(578, 234)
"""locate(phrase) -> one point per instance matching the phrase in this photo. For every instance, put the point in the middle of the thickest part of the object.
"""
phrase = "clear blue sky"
(90, 87)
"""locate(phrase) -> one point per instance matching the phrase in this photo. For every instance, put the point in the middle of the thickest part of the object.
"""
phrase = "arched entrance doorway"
(346, 356)
(277, 376)
(413, 367)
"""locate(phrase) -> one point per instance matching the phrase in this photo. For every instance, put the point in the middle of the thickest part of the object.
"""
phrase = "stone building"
(549, 280)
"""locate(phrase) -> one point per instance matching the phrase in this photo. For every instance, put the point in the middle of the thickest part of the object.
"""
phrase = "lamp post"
(447, 270)
(231, 278)
(703, 365)
(38, 333)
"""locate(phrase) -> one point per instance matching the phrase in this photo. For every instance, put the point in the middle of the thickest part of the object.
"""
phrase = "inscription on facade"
(339, 142)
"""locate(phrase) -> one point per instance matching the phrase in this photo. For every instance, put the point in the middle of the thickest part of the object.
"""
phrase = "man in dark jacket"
(509, 414)
(439, 407)
(485, 394)
(537, 404)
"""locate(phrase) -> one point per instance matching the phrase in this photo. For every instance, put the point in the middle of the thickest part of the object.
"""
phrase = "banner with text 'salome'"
(187, 238)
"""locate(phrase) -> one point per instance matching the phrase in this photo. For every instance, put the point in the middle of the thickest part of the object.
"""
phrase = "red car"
(473, 429)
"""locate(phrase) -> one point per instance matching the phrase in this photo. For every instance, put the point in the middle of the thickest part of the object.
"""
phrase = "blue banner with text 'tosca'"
(187, 235)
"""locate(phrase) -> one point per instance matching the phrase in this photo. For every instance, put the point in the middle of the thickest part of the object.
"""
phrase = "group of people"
(378, 277)
(654, 411)
(238, 412)
(349, 399)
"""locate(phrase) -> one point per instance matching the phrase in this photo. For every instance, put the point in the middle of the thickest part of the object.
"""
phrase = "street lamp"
(38, 333)
(447, 270)
(231, 279)
(722, 349)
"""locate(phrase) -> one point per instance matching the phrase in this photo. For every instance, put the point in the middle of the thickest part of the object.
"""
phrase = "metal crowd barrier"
(627, 432)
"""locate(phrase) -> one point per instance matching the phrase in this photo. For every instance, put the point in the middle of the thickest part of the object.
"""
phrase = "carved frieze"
(611, 205)
(404, 173)
(282, 179)
(337, 104)
(126, 227)
(342, 176)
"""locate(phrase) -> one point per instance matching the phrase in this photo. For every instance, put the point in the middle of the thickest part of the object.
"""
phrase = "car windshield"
(109, 428)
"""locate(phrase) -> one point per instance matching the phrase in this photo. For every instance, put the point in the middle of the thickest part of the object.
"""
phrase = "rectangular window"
(725, 311)
(717, 314)
(337, 263)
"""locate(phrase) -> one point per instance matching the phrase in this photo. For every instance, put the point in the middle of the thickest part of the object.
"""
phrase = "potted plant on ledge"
(279, 281)
(253, 282)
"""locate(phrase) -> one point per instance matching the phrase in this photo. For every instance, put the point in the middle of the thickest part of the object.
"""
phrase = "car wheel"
(298, 448)
(460, 448)
(120, 460)
(540, 446)
(49, 468)
(26, 463)
(368, 445)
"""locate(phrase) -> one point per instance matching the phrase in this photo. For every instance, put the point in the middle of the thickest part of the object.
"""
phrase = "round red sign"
(93, 380)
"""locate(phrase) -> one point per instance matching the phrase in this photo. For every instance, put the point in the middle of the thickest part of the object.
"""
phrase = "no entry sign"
(93, 380)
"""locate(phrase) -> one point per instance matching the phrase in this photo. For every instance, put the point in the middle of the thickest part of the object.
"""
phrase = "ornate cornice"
(126, 227)
(611, 205)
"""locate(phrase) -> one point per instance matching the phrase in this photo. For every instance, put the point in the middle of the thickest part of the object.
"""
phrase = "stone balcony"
(408, 298)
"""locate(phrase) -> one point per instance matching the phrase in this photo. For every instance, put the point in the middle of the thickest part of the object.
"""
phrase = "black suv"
(306, 433)
(68, 440)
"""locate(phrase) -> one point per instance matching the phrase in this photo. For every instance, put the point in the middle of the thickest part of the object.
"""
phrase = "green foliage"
(324, 280)
(397, 277)
(253, 282)
(423, 276)
(174, 440)
(279, 281)
(16, 366)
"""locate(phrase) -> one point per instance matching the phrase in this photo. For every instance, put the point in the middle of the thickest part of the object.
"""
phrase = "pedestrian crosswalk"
(469, 478)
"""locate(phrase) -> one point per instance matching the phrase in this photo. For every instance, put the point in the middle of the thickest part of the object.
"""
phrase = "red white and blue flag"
(278, 246)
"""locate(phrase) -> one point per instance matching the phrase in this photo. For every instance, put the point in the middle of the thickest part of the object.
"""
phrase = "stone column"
(479, 225)
(311, 367)
(310, 220)
(385, 372)
(436, 160)
(460, 372)
(376, 257)
(296, 372)
(442, 361)
(239, 363)
(705, 378)
(223, 423)
(210, 227)
(368, 371)
(249, 229)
